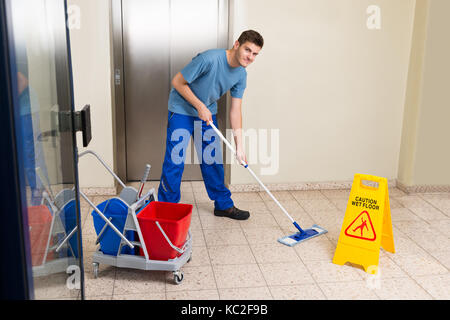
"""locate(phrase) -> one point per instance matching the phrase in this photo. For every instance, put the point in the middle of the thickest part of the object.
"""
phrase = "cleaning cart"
(52, 229)
(135, 231)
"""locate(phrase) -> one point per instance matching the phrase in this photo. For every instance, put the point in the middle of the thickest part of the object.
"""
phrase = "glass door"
(44, 128)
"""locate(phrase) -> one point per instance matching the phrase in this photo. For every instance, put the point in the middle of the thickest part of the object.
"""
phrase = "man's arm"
(182, 87)
(236, 125)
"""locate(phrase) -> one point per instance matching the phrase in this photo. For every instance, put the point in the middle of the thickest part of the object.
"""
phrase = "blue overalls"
(180, 128)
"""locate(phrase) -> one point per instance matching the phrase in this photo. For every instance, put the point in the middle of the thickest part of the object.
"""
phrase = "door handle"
(82, 122)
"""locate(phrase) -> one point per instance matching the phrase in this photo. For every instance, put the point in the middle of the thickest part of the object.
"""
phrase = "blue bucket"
(69, 219)
(110, 241)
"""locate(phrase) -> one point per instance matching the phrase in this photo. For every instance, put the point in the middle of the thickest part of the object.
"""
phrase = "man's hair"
(251, 36)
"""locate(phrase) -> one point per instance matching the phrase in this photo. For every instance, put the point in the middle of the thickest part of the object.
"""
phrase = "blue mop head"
(303, 235)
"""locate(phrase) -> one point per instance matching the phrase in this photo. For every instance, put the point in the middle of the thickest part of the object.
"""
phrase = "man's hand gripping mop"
(295, 238)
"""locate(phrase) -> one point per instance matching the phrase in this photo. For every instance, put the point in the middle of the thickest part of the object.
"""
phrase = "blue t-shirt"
(209, 76)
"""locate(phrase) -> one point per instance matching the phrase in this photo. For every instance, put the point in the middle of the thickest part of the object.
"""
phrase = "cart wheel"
(95, 265)
(178, 277)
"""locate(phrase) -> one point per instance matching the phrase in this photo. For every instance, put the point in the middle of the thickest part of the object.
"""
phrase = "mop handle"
(144, 178)
(226, 142)
(253, 174)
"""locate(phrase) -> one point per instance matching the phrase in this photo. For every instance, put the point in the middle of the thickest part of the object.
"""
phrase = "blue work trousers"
(180, 128)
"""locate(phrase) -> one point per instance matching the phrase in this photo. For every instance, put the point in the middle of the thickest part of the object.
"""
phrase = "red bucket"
(40, 221)
(174, 219)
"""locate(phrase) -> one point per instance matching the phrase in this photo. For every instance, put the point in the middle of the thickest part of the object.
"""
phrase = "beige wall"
(424, 156)
(432, 156)
(334, 88)
(413, 94)
(91, 60)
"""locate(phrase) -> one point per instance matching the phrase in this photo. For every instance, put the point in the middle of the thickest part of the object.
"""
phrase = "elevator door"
(159, 38)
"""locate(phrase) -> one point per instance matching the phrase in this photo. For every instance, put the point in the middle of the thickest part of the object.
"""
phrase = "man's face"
(246, 53)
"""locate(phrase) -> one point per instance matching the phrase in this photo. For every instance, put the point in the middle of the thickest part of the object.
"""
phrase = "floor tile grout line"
(421, 247)
(207, 251)
(409, 276)
(420, 196)
(306, 211)
(259, 267)
(253, 254)
(251, 249)
(114, 282)
(435, 207)
(428, 224)
(418, 244)
(400, 267)
(298, 255)
(272, 214)
(425, 250)
(312, 276)
(412, 212)
(323, 194)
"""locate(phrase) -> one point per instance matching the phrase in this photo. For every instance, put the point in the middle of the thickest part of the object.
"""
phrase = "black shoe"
(233, 213)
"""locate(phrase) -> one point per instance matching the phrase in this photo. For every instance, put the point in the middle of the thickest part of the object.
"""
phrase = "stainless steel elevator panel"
(159, 38)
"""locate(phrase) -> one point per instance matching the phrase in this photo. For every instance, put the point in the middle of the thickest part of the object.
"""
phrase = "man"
(196, 90)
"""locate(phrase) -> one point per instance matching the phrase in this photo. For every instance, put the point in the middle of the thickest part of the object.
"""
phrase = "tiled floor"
(243, 260)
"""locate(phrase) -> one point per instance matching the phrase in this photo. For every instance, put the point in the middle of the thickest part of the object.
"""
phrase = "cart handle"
(182, 250)
(104, 164)
(106, 220)
(101, 232)
(46, 197)
(66, 239)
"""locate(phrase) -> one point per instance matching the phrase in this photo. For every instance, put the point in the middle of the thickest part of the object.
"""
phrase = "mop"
(295, 238)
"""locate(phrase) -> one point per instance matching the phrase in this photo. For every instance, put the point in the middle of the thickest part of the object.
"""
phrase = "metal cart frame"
(129, 197)
(57, 205)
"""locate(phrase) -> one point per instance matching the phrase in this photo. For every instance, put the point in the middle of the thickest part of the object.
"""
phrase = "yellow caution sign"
(367, 225)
